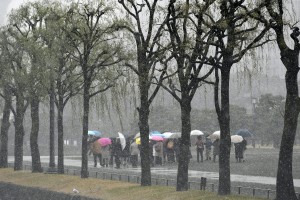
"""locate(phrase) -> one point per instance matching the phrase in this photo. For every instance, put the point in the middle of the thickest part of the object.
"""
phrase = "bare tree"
(146, 25)
(290, 59)
(96, 52)
(190, 49)
(237, 31)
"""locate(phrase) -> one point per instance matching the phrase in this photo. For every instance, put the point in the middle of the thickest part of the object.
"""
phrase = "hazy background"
(266, 77)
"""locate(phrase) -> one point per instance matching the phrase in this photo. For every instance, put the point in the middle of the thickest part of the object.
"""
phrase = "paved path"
(68, 161)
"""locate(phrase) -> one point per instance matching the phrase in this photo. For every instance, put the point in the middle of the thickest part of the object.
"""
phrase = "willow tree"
(237, 31)
(18, 84)
(145, 22)
(65, 80)
(189, 38)
(96, 52)
(6, 94)
(28, 22)
(290, 59)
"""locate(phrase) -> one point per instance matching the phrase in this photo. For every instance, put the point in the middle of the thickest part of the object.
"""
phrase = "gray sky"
(6, 6)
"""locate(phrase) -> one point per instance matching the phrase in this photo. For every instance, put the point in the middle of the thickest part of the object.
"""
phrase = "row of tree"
(65, 49)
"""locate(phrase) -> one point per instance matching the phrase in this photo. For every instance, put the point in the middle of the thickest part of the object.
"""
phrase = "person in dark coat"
(117, 153)
(216, 150)
(170, 150)
(177, 148)
(239, 150)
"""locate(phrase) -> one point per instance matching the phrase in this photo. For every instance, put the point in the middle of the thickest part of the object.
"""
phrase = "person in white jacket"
(134, 152)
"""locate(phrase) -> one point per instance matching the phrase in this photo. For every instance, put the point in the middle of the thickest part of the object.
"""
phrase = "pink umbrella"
(157, 138)
(104, 141)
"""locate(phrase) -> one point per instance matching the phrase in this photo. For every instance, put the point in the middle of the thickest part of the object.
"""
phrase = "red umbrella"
(104, 141)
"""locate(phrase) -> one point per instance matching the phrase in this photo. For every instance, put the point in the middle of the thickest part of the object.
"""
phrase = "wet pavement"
(169, 171)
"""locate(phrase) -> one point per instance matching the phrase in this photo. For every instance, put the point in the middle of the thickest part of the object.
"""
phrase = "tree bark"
(184, 159)
(52, 127)
(225, 141)
(60, 136)
(4, 128)
(35, 154)
(144, 126)
(19, 132)
(85, 126)
(284, 184)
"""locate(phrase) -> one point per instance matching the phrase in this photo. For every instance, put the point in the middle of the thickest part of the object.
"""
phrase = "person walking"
(199, 148)
(208, 145)
(105, 150)
(134, 152)
(239, 150)
(170, 151)
(117, 153)
(95, 148)
(158, 148)
(216, 150)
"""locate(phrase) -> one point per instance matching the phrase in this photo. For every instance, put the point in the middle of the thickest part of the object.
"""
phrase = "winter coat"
(105, 151)
(134, 149)
(159, 149)
(216, 145)
(95, 147)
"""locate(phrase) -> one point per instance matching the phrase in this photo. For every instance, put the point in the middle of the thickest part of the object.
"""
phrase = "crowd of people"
(161, 152)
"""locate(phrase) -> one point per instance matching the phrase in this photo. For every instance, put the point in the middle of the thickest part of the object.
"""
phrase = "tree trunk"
(52, 128)
(225, 141)
(144, 131)
(184, 158)
(4, 128)
(285, 185)
(19, 132)
(35, 154)
(85, 126)
(60, 136)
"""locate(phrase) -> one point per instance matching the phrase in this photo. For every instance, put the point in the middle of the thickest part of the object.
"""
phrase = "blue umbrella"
(157, 133)
(244, 133)
(95, 133)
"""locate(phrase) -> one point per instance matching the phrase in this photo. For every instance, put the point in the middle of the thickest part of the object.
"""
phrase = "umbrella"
(137, 135)
(157, 138)
(158, 134)
(167, 134)
(138, 139)
(104, 141)
(215, 135)
(196, 132)
(155, 133)
(244, 133)
(95, 133)
(176, 135)
(236, 138)
(122, 140)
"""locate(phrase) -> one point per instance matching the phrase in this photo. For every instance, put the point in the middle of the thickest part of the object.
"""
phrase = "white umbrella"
(236, 138)
(167, 134)
(176, 135)
(122, 140)
(215, 135)
(196, 132)
(137, 135)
